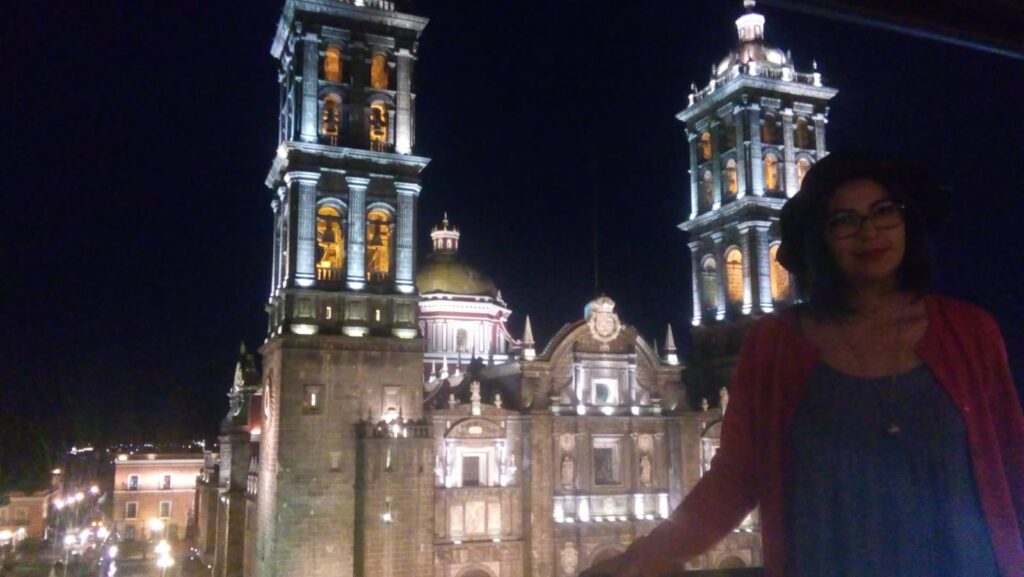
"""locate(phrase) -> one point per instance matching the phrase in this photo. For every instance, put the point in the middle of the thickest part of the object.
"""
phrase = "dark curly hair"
(806, 255)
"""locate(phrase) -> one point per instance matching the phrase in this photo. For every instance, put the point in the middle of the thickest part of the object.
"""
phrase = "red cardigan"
(963, 348)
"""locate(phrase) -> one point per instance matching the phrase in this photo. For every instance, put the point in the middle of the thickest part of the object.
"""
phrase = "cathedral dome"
(444, 272)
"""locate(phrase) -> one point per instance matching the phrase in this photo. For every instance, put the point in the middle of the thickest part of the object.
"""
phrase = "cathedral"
(395, 427)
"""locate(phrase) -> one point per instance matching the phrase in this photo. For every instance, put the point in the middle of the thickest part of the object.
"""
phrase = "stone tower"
(753, 132)
(343, 343)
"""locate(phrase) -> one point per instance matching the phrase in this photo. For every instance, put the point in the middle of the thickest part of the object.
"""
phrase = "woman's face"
(866, 250)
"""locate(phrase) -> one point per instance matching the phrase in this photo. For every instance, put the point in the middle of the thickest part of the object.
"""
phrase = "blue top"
(882, 482)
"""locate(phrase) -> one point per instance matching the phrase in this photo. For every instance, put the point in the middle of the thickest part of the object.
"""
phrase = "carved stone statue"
(570, 558)
(497, 400)
(474, 398)
(645, 470)
(723, 399)
(568, 470)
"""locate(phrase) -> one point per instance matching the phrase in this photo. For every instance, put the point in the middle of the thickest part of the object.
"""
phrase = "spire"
(529, 353)
(671, 357)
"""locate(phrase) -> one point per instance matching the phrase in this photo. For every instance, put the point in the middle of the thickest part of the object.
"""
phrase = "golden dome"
(445, 273)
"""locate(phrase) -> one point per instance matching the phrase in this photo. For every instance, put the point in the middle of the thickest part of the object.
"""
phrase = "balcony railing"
(330, 274)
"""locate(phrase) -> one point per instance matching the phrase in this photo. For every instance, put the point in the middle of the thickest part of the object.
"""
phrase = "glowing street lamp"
(95, 490)
(69, 540)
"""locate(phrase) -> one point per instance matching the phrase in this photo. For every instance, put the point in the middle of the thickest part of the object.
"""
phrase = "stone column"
(303, 186)
(275, 264)
(405, 274)
(748, 268)
(719, 252)
(692, 138)
(696, 280)
(760, 248)
(819, 136)
(741, 156)
(355, 253)
(756, 153)
(310, 77)
(716, 165)
(790, 153)
(403, 104)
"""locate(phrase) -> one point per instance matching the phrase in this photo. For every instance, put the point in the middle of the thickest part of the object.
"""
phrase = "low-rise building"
(154, 494)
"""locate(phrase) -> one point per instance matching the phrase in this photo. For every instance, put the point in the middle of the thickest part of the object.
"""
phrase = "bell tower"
(753, 131)
(343, 343)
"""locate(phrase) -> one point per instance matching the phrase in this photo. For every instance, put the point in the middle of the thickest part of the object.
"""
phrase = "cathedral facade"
(396, 427)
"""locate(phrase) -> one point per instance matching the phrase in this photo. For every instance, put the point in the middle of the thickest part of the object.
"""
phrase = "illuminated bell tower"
(753, 132)
(343, 342)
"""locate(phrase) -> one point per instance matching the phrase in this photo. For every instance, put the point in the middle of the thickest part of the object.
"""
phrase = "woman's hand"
(618, 566)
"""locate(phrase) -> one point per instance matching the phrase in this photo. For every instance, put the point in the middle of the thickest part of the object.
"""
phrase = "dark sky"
(137, 135)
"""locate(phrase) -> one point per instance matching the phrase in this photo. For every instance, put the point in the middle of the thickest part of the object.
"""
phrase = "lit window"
(133, 483)
(379, 72)
(330, 244)
(771, 172)
(378, 126)
(707, 190)
(804, 135)
(731, 179)
(605, 391)
(332, 65)
(165, 509)
(705, 146)
(779, 275)
(378, 245)
(328, 312)
(802, 166)
(709, 284)
(769, 130)
(330, 118)
(734, 275)
(131, 510)
(312, 399)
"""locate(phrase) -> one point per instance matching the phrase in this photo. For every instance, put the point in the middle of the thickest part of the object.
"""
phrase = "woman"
(876, 426)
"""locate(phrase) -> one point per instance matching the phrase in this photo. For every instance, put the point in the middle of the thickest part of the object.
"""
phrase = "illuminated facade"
(753, 132)
(154, 494)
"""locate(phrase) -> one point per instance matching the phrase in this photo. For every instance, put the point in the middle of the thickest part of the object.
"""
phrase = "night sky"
(137, 136)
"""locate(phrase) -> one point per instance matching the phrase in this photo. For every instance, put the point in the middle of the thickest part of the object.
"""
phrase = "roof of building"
(445, 273)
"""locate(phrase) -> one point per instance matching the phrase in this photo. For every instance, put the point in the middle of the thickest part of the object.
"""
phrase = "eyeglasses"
(883, 216)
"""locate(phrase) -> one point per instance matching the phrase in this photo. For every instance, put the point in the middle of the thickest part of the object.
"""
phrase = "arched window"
(734, 275)
(379, 71)
(707, 190)
(330, 118)
(771, 172)
(332, 64)
(804, 134)
(705, 146)
(731, 179)
(378, 126)
(709, 285)
(802, 166)
(378, 245)
(330, 244)
(779, 275)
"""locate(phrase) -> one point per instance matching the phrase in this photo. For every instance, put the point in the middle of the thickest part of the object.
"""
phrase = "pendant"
(893, 429)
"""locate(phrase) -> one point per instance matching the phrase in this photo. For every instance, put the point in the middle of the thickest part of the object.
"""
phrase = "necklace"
(885, 393)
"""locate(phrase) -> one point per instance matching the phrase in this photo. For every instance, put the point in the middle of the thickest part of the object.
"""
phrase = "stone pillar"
(741, 157)
(355, 255)
(719, 252)
(791, 184)
(695, 279)
(405, 274)
(819, 136)
(759, 249)
(716, 165)
(403, 104)
(748, 267)
(756, 153)
(275, 257)
(310, 76)
(303, 185)
(692, 138)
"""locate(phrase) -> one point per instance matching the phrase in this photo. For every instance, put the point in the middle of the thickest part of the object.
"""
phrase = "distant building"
(24, 516)
(154, 494)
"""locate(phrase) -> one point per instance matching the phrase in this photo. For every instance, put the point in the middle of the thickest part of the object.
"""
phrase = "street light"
(163, 563)
(69, 540)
